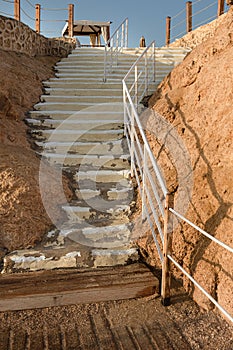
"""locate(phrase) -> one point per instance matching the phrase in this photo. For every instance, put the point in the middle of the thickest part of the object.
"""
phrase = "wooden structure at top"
(92, 29)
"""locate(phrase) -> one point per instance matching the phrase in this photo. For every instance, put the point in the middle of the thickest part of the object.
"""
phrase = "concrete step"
(111, 194)
(114, 257)
(84, 66)
(76, 124)
(105, 108)
(83, 92)
(50, 259)
(104, 237)
(99, 114)
(80, 99)
(97, 68)
(77, 84)
(100, 148)
(77, 135)
(86, 160)
(62, 106)
(102, 176)
(99, 209)
(89, 59)
(117, 74)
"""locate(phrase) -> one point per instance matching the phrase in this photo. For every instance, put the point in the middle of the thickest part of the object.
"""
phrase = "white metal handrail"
(135, 86)
(142, 73)
(157, 205)
(114, 46)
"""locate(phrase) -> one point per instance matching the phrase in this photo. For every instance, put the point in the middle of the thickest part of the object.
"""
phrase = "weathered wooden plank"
(65, 288)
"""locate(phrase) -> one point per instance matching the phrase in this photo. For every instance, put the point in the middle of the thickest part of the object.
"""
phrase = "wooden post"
(220, 7)
(38, 18)
(108, 35)
(167, 250)
(168, 30)
(71, 20)
(189, 19)
(17, 10)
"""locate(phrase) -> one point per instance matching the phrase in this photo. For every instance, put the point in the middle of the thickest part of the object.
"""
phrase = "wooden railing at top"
(17, 10)
(189, 18)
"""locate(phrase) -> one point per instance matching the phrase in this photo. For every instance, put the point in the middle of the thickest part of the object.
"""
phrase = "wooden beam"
(94, 31)
(38, 18)
(17, 10)
(108, 35)
(189, 19)
(57, 288)
(71, 21)
(221, 4)
(168, 30)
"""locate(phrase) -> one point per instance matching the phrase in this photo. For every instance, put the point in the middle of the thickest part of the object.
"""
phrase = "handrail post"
(117, 39)
(126, 32)
(189, 18)
(122, 35)
(105, 64)
(136, 86)
(38, 8)
(17, 10)
(220, 7)
(146, 73)
(168, 30)
(132, 141)
(154, 67)
(125, 111)
(144, 182)
(71, 21)
(167, 250)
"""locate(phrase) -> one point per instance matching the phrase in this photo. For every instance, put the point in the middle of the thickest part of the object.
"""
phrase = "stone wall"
(18, 37)
(197, 36)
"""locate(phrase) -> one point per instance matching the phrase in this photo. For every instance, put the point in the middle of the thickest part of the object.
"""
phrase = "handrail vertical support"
(167, 250)
(146, 73)
(125, 112)
(126, 32)
(71, 20)
(220, 7)
(38, 8)
(136, 86)
(168, 30)
(17, 10)
(189, 17)
(144, 182)
(154, 66)
(132, 150)
(105, 64)
(122, 35)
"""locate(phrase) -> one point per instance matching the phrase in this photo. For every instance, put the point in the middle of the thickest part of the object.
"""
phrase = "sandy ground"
(142, 324)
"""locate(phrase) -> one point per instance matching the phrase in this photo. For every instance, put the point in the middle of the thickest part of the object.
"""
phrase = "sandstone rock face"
(196, 98)
(23, 220)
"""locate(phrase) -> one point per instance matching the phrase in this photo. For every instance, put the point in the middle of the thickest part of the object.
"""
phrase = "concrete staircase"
(78, 127)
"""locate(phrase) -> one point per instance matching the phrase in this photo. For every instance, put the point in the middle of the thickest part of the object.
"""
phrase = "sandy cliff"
(23, 218)
(196, 98)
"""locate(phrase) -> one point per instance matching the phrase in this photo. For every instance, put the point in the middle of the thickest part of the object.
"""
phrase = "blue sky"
(146, 17)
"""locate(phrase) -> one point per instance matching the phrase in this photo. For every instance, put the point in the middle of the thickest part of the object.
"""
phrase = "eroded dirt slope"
(23, 220)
